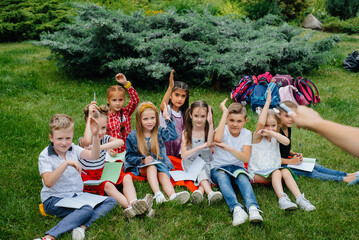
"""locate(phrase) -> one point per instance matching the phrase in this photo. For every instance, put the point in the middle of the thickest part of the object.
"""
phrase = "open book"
(267, 172)
(81, 200)
(154, 162)
(306, 165)
(111, 172)
(193, 171)
(236, 173)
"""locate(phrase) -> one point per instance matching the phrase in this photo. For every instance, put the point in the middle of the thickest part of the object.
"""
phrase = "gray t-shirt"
(70, 181)
(222, 157)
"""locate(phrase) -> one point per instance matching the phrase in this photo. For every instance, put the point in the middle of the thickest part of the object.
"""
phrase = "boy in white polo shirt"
(233, 149)
(61, 177)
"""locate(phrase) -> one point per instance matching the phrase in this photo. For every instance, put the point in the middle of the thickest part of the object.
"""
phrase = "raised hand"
(94, 126)
(209, 115)
(165, 111)
(171, 81)
(93, 111)
(223, 105)
(121, 79)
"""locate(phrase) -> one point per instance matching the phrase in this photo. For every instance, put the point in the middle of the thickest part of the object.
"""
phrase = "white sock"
(158, 193)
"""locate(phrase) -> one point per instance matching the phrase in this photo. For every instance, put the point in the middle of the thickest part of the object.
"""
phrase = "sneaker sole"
(182, 198)
(140, 206)
(256, 220)
(290, 208)
(151, 213)
(197, 198)
(149, 200)
(215, 198)
(129, 214)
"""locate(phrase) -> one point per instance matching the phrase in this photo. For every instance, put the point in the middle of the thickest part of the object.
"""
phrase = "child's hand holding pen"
(147, 159)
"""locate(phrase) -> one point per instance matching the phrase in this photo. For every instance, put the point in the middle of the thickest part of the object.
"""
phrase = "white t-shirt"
(222, 157)
(170, 113)
(70, 181)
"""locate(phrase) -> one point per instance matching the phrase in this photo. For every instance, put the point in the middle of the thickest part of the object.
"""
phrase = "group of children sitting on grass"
(179, 133)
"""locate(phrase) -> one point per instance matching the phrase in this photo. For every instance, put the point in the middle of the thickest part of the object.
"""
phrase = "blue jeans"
(322, 173)
(73, 218)
(224, 181)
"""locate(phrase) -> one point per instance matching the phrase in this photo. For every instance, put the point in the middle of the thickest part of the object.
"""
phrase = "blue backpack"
(259, 95)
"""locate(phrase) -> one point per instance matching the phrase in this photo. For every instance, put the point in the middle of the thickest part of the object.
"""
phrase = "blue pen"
(300, 144)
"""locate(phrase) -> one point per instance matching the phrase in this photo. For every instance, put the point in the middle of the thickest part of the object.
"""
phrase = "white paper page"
(81, 200)
(194, 170)
(306, 165)
(154, 162)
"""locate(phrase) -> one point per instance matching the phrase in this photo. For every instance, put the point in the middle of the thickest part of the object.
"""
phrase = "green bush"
(288, 9)
(202, 48)
(22, 20)
(257, 9)
(335, 25)
(344, 9)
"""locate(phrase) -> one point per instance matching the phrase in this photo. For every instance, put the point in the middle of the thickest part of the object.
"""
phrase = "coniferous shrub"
(26, 19)
(202, 48)
(344, 9)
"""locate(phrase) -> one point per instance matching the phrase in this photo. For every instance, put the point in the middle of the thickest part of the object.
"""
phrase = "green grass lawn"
(32, 89)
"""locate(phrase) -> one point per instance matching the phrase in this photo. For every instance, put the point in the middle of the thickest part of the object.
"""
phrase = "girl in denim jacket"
(146, 153)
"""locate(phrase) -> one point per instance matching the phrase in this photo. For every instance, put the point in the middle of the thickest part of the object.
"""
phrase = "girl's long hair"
(182, 86)
(141, 141)
(109, 92)
(188, 125)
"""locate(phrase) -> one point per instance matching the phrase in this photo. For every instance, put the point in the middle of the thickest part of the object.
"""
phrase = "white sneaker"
(160, 198)
(197, 197)
(78, 233)
(304, 203)
(214, 197)
(239, 216)
(254, 215)
(129, 212)
(286, 204)
(181, 197)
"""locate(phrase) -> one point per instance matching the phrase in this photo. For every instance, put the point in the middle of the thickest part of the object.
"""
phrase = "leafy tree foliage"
(344, 9)
(202, 48)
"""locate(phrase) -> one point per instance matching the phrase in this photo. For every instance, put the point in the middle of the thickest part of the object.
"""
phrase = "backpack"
(259, 94)
(282, 80)
(288, 93)
(305, 86)
(351, 63)
(242, 92)
(267, 76)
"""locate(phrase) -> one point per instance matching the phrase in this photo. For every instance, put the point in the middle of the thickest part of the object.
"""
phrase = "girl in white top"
(266, 155)
(197, 138)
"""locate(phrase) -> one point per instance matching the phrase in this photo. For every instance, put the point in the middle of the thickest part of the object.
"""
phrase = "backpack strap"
(316, 97)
